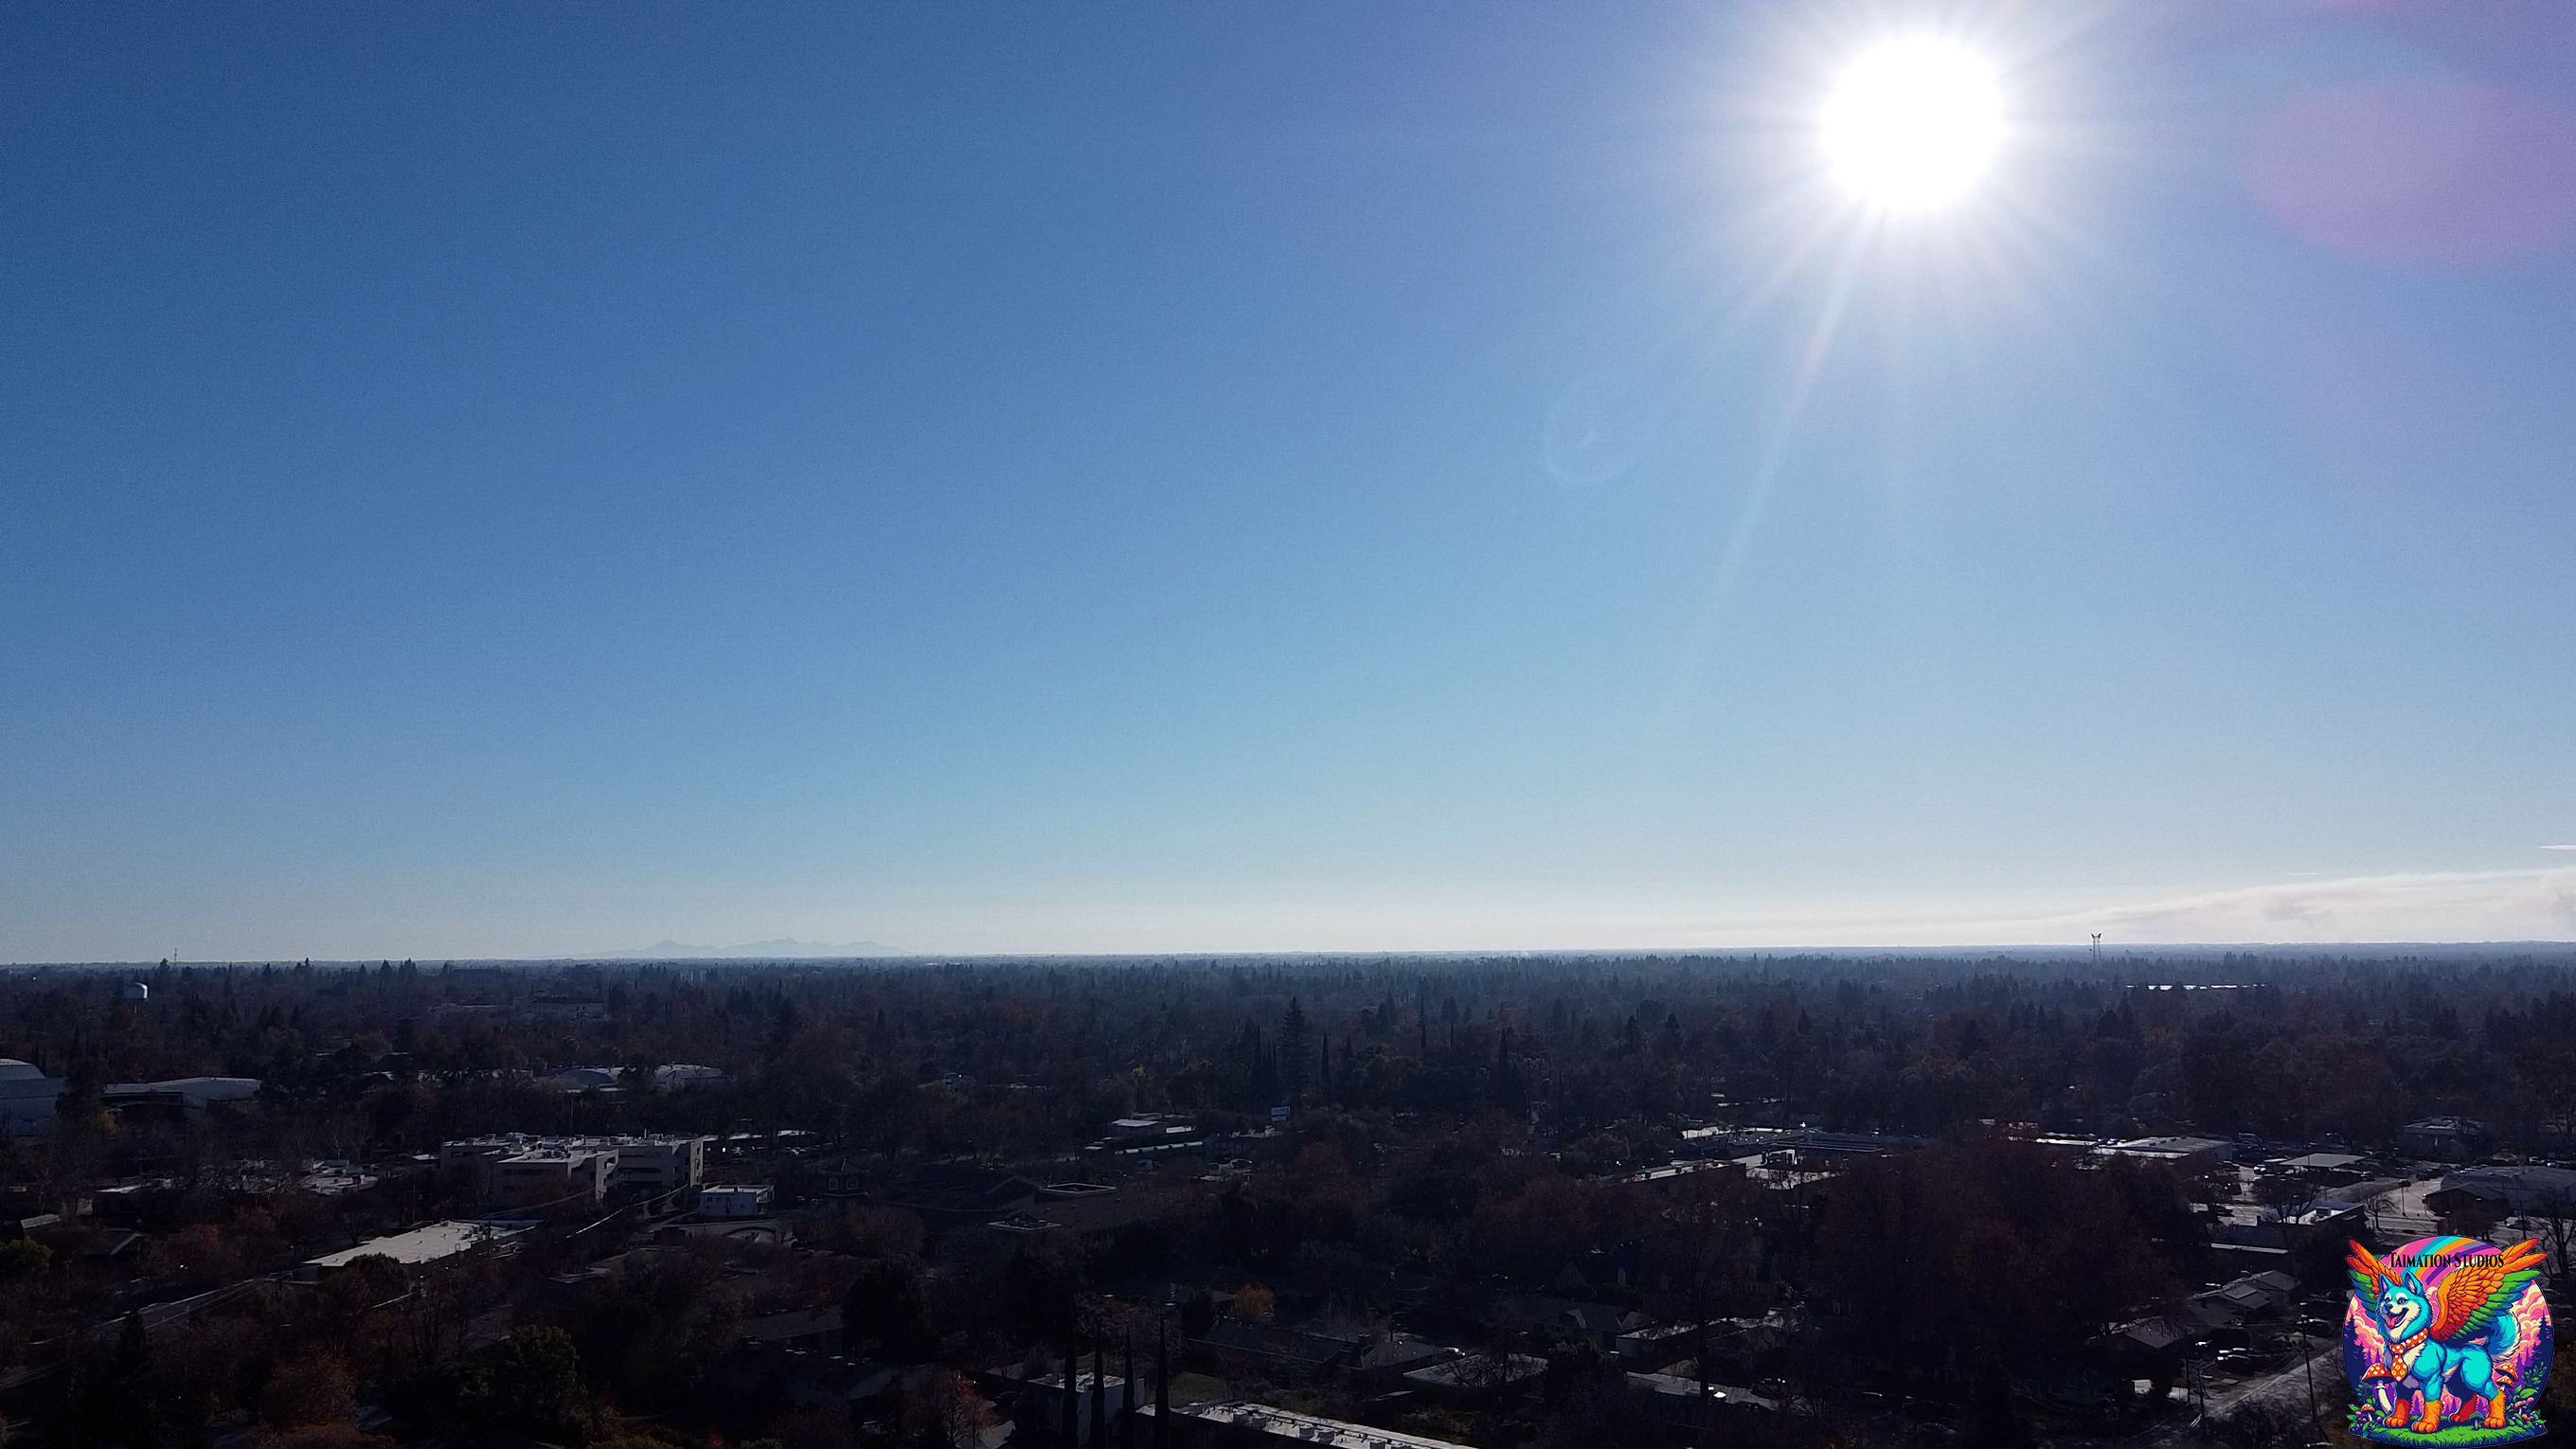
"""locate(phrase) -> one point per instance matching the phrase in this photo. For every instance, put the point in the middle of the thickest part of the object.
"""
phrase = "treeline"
(1608, 1054)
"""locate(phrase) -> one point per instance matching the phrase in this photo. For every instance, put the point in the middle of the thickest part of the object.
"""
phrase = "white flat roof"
(208, 1089)
(421, 1245)
(1281, 1423)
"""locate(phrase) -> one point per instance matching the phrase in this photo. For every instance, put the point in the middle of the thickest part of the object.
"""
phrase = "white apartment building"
(660, 1164)
(522, 1170)
(542, 1176)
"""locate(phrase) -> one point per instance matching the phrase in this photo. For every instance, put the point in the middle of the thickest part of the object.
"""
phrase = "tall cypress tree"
(1072, 1373)
(1292, 1054)
(1099, 1399)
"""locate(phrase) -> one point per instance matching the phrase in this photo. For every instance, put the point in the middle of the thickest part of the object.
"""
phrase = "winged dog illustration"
(2455, 1336)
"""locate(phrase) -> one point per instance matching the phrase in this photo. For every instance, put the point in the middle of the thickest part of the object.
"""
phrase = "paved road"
(2283, 1391)
(2403, 1213)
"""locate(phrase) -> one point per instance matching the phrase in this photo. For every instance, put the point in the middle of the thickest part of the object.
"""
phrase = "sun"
(1913, 124)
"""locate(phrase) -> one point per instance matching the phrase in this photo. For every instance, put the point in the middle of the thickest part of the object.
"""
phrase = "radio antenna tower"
(2097, 950)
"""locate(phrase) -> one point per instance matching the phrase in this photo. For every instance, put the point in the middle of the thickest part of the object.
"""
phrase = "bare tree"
(950, 1413)
(2556, 1214)
(1491, 1368)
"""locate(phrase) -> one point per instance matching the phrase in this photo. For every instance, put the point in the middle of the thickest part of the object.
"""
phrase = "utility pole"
(2307, 1352)
(1707, 1419)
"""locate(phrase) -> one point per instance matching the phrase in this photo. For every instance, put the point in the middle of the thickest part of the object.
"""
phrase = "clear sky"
(534, 479)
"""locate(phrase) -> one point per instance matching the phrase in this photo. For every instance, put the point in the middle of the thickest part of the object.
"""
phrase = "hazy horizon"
(2306, 915)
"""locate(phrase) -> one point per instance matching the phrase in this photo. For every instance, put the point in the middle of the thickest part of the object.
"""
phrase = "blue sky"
(527, 480)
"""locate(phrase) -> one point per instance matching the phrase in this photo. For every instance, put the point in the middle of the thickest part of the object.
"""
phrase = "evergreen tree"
(1292, 1053)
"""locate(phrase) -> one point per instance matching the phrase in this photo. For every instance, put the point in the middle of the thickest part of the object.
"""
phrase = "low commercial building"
(1090, 1212)
(27, 1098)
(421, 1247)
(2188, 1156)
(734, 1201)
(1150, 1133)
(1234, 1424)
(2545, 1191)
(177, 1100)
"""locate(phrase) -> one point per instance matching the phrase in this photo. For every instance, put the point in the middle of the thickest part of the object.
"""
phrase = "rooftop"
(1286, 1424)
(1681, 1386)
(202, 1089)
(523, 1141)
(422, 1245)
(798, 1323)
(2178, 1146)
(1472, 1372)
(2540, 1182)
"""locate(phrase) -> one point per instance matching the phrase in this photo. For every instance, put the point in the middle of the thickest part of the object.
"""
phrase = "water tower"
(134, 991)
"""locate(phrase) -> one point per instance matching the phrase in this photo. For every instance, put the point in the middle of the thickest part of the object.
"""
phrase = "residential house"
(812, 1330)
(805, 1378)
(2444, 1139)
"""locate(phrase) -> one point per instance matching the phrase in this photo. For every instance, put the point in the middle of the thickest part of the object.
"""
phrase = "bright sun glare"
(1913, 124)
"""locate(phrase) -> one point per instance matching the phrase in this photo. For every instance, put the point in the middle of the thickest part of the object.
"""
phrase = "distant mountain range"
(783, 948)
